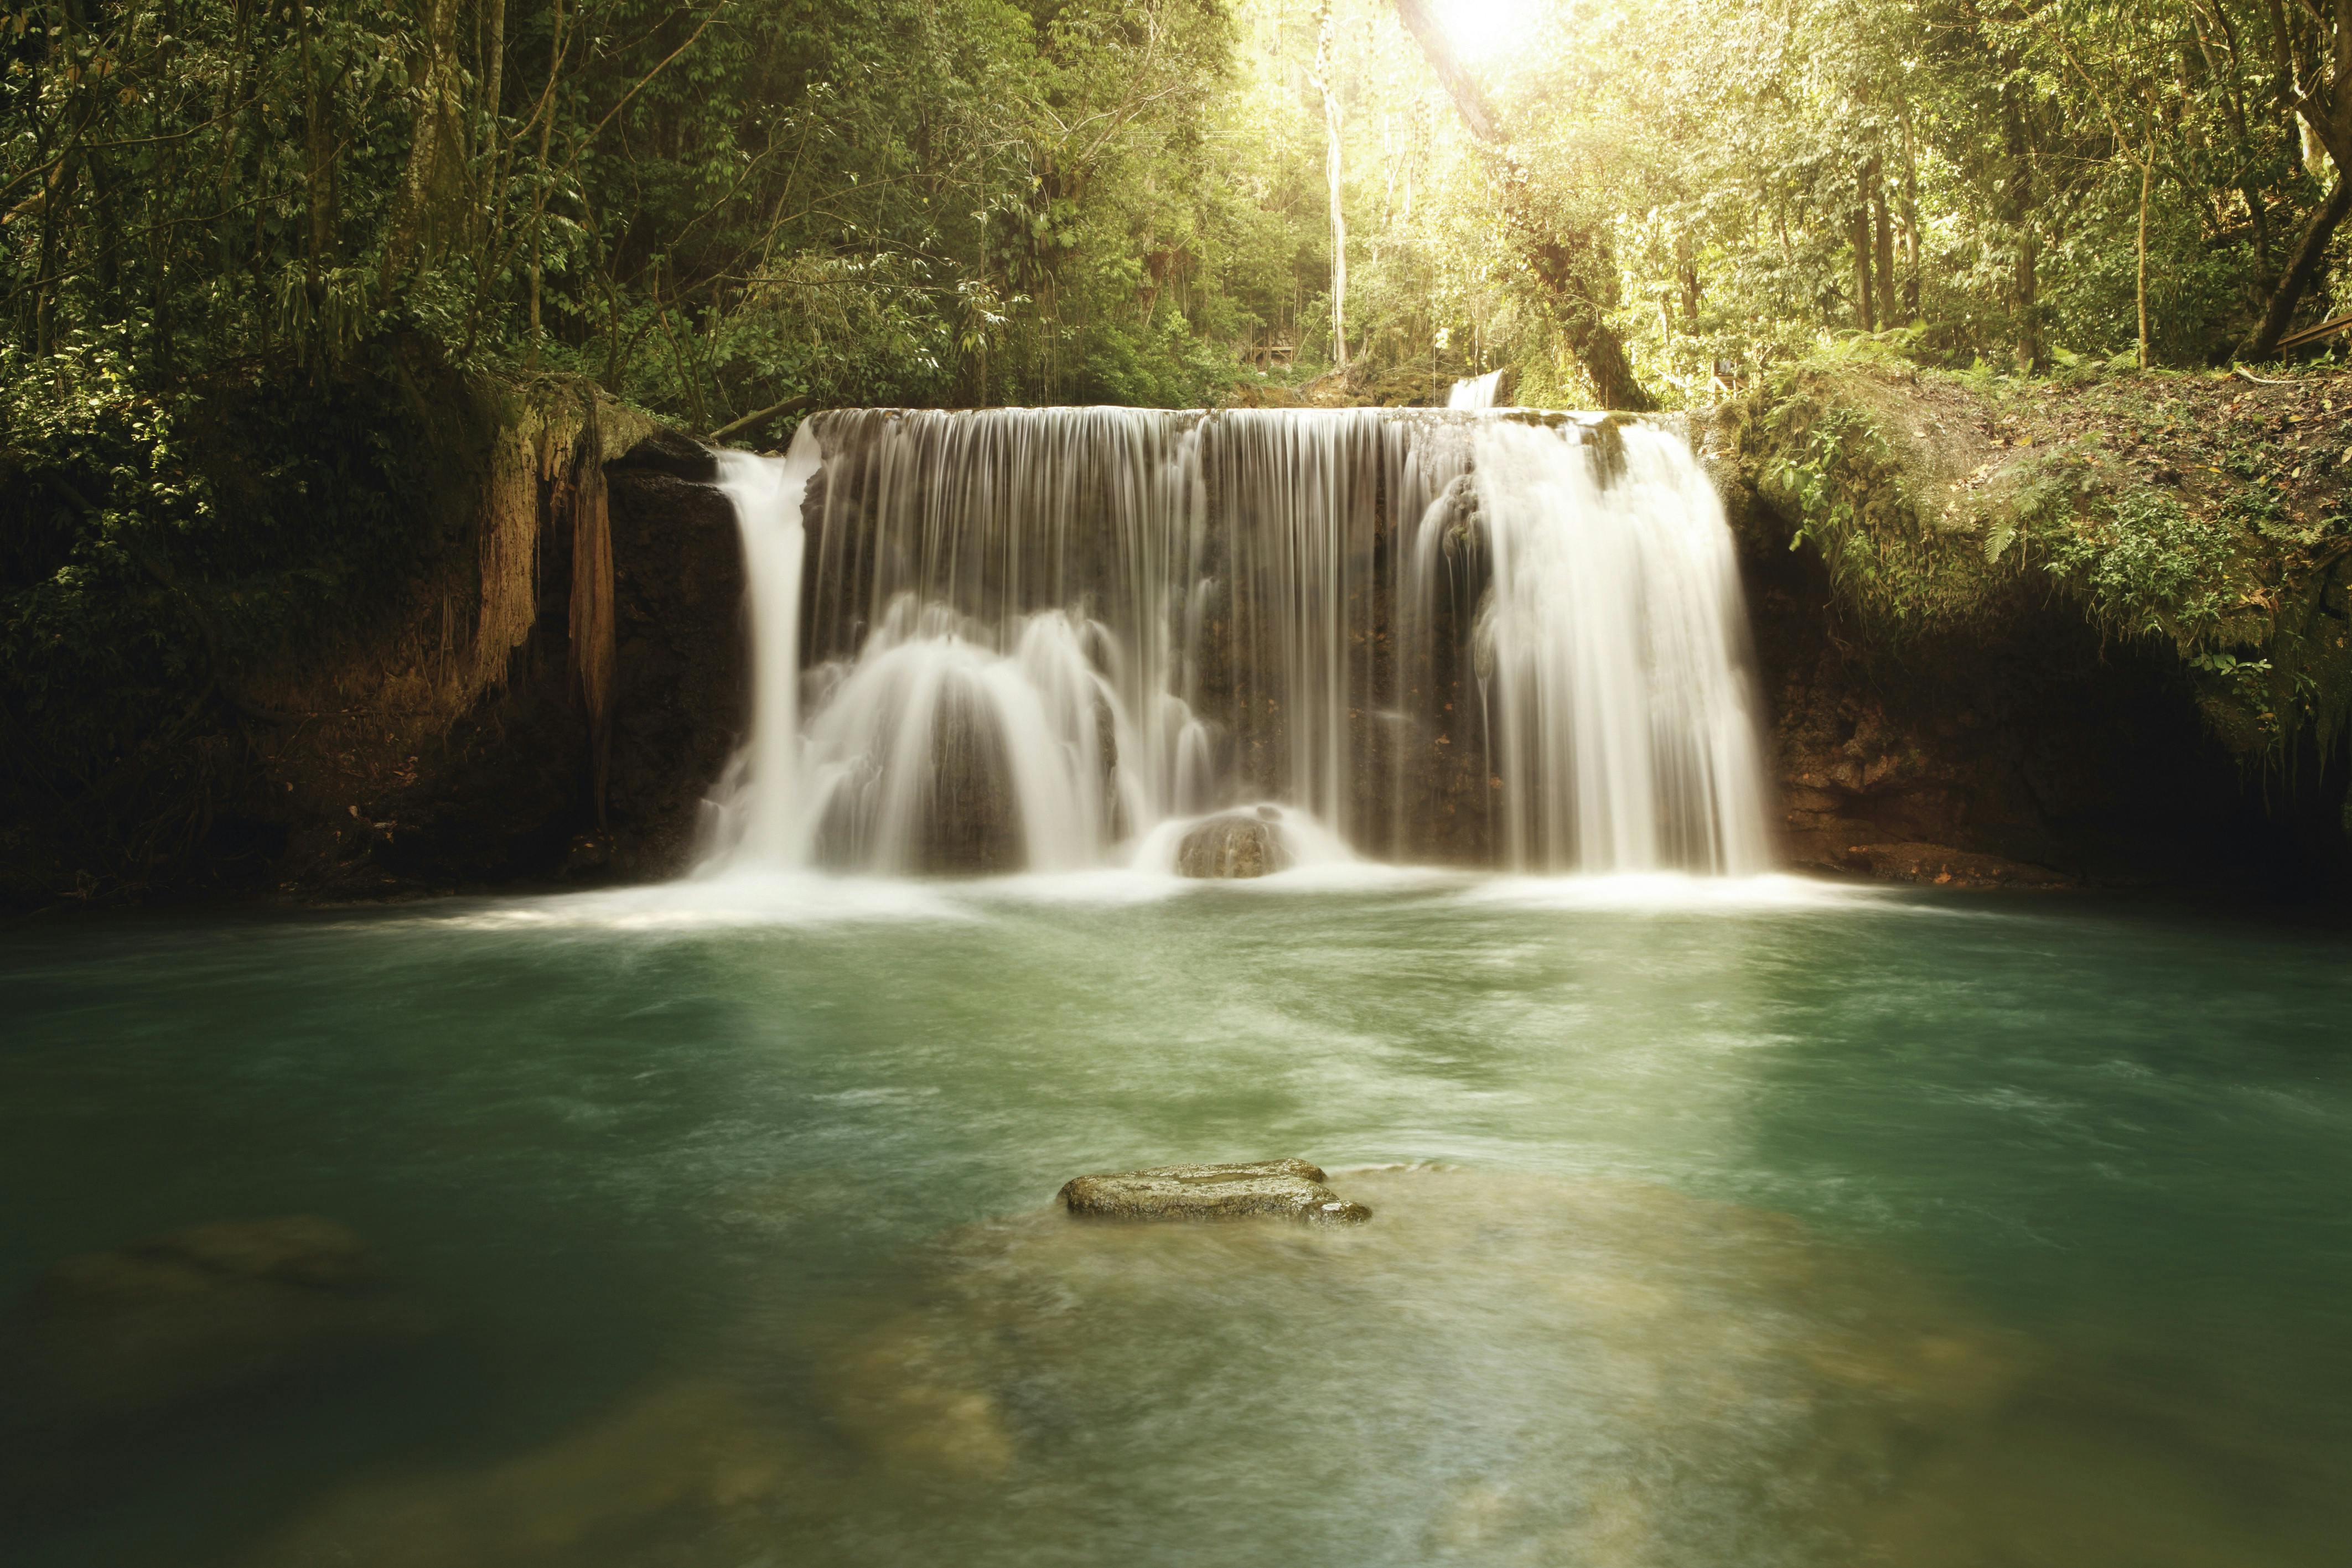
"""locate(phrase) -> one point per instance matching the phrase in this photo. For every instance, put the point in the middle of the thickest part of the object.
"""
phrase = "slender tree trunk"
(415, 231)
(1332, 171)
(317, 149)
(493, 137)
(539, 200)
(494, 68)
(2258, 216)
(2147, 177)
(2309, 252)
(1910, 222)
(1865, 308)
(2030, 353)
(2025, 291)
(1882, 238)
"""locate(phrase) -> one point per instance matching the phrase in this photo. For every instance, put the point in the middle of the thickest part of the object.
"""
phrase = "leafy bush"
(2148, 566)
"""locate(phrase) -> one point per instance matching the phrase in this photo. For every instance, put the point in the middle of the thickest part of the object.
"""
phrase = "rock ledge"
(1289, 1189)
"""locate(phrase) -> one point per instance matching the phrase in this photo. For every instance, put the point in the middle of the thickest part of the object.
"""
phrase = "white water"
(1625, 735)
(1475, 392)
(759, 797)
(1046, 640)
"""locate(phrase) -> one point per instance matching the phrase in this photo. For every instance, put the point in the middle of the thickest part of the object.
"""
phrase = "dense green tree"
(723, 210)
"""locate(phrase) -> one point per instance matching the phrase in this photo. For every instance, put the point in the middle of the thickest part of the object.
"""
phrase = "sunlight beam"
(1485, 31)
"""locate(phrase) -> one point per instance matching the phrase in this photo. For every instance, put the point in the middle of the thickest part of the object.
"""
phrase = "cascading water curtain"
(1010, 639)
(1614, 637)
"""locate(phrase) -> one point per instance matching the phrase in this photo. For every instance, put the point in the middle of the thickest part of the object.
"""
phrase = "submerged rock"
(695, 1457)
(1291, 1189)
(191, 1313)
(1625, 1376)
(1237, 844)
(1617, 1373)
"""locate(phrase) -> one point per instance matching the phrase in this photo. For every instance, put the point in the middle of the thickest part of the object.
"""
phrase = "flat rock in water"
(1289, 1189)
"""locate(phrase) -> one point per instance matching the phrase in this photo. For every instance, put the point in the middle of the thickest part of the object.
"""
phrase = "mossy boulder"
(2068, 622)
(2203, 515)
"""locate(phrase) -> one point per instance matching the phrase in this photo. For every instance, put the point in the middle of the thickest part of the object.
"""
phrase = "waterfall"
(1017, 639)
(1613, 633)
(1475, 391)
(761, 794)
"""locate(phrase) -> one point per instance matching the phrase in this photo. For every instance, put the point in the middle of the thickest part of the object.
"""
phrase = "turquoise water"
(1765, 1224)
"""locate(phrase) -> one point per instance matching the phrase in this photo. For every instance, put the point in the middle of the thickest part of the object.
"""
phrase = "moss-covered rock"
(2136, 540)
(2204, 514)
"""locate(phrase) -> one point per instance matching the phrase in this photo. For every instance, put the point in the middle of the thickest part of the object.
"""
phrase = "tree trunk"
(1910, 222)
(318, 147)
(2309, 252)
(1331, 173)
(1883, 237)
(2025, 291)
(1558, 257)
(2030, 355)
(539, 210)
(1857, 233)
(2258, 217)
(436, 149)
(2147, 177)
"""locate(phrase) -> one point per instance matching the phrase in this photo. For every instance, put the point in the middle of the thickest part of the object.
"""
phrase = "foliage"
(2148, 568)
(714, 207)
(156, 544)
(2240, 583)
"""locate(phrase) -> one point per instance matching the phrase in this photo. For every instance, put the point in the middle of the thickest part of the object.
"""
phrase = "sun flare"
(1486, 31)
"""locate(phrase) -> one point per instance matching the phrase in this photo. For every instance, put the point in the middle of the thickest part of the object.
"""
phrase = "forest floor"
(2206, 436)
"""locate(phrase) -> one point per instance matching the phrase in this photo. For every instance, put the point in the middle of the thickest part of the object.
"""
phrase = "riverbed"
(1762, 1221)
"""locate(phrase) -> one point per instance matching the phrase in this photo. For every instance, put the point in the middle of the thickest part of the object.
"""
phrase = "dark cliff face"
(546, 780)
(543, 700)
(2044, 759)
(584, 758)
(681, 703)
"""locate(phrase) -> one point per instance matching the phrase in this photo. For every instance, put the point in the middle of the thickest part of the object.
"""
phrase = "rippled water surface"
(1750, 1223)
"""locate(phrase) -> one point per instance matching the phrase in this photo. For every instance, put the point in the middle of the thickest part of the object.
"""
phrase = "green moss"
(1904, 558)
(1930, 527)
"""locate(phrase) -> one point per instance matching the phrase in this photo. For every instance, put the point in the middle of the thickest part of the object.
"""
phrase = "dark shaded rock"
(971, 815)
(193, 1314)
(1290, 1189)
(671, 452)
(1237, 844)
(681, 697)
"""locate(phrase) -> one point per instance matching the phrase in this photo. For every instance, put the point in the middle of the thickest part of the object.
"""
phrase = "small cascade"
(1613, 637)
(1040, 639)
(759, 800)
(1475, 391)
